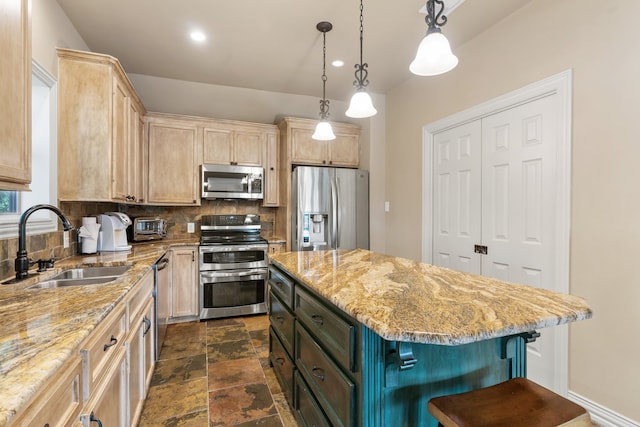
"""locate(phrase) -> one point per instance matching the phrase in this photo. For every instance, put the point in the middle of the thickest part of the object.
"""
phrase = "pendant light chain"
(361, 69)
(324, 102)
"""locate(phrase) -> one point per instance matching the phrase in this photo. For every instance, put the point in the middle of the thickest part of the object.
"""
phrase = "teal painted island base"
(364, 339)
(399, 378)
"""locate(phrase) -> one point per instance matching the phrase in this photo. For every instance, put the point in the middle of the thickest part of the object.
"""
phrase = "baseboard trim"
(600, 415)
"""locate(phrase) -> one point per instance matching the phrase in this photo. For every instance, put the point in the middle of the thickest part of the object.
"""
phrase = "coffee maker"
(113, 234)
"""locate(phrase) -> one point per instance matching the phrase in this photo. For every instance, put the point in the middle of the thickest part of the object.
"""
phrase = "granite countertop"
(42, 328)
(405, 300)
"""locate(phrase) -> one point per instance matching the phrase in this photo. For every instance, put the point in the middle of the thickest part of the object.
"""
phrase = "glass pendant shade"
(434, 56)
(324, 131)
(361, 106)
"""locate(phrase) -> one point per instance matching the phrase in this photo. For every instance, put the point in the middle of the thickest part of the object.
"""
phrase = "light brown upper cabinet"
(15, 95)
(99, 134)
(174, 148)
(233, 147)
(303, 150)
(271, 177)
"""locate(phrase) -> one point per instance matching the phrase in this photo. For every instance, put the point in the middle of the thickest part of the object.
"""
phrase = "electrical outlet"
(65, 239)
(191, 227)
(387, 206)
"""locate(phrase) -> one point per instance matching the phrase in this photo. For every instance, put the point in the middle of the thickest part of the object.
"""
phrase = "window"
(43, 162)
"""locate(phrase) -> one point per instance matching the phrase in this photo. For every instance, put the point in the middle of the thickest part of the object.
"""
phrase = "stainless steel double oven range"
(233, 266)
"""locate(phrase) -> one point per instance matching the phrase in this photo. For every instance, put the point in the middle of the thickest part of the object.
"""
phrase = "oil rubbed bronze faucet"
(23, 262)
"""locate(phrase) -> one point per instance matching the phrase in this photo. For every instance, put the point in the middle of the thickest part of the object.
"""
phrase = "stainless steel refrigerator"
(329, 208)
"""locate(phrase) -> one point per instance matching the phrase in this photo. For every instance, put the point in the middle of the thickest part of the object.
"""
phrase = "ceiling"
(272, 45)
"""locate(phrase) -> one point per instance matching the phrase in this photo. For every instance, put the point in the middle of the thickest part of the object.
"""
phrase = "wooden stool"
(514, 403)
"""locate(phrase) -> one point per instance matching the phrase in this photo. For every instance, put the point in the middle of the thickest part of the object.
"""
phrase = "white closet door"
(518, 208)
(456, 193)
(494, 186)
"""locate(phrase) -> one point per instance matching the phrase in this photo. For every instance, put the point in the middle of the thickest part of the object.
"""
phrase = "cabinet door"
(344, 151)
(108, 403)
(218, 146)
(272, 186)
(139, 165)
(136, 361)
(15, 95)
(248, 147)
(184, 286)
(148, 341)
(306, 150)
(140, 364)
(121, 155)
(58, 403)
(172, 151)
(274, 248)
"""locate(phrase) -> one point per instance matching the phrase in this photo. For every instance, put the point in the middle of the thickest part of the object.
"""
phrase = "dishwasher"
(161, 289)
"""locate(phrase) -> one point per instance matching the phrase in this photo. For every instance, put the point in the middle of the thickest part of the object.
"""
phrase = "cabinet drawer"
(334, 390)
(102, 347)
(59, 404)
(282, 321)
(336, 335)
(140, 295)
(281, 286)
(307, 409)
(282, 365)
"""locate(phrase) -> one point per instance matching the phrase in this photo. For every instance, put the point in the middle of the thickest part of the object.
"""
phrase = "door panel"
(518, 227)
(457, 173)
(494, 185)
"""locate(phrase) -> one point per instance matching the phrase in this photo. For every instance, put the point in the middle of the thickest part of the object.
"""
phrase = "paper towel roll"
(87, 220)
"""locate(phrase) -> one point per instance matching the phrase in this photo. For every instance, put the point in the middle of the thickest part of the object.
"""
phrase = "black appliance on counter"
(233, 266)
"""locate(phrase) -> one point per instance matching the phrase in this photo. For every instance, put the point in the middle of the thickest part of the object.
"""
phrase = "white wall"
(598, 40)
(50, 29)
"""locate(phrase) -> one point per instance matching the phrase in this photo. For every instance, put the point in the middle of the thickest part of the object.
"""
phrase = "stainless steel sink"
(82, 276)
(87, 272)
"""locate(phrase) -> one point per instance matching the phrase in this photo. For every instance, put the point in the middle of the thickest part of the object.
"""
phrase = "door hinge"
(479, 249)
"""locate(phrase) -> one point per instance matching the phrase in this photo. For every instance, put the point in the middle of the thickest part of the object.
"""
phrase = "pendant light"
(324, 131)
(361, 105)
(434, 54)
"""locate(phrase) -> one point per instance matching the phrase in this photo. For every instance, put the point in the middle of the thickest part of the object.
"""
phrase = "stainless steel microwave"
(231, 182)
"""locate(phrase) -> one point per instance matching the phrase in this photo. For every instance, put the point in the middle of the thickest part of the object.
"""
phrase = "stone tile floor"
(216, 373)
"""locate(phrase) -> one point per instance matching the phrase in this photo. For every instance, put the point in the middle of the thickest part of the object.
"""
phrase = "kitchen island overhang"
(419, 330)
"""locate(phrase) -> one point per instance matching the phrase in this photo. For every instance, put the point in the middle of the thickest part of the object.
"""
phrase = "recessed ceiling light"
(338, 63)
(198, 36)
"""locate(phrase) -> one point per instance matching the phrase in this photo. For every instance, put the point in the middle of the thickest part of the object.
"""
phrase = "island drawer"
(335, 392)
(282, 321)
(307, 409)
(335, 333)
(281, 286)
(140, 295)
(282, 365)
(98, 352)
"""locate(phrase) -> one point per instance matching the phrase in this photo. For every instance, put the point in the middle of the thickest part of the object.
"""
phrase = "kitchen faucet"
(23, 262)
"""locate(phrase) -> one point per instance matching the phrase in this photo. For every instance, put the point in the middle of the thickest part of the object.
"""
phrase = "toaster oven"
(146, 228)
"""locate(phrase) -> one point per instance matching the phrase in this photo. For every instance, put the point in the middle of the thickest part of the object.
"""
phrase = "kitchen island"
(364, 339)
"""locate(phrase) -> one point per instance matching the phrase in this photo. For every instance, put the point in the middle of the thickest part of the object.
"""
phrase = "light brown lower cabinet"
(107, 381)
(108, 403)
(60, 403)
(184, 283)
(141, 361)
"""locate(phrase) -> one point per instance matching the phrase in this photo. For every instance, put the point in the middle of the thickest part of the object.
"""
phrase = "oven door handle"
(236, 273)
(234, 248)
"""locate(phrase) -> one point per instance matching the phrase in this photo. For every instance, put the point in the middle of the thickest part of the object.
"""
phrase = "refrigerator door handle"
(334, 212)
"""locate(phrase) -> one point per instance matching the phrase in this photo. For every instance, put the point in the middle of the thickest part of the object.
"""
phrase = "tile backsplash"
(50, 245)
